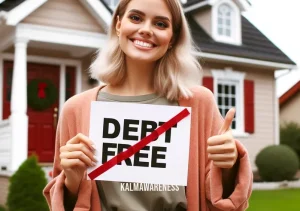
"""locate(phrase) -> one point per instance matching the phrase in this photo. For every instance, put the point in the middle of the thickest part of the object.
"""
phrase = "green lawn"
(275, 200)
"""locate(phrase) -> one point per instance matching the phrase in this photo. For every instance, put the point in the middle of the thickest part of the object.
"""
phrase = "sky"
(279, 21)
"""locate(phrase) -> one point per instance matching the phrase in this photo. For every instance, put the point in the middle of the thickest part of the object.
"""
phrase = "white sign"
(114, 127)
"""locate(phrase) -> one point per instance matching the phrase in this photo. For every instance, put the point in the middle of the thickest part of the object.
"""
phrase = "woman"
(149, 60)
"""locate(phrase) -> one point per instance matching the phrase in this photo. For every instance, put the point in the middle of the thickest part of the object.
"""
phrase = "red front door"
(42, 124)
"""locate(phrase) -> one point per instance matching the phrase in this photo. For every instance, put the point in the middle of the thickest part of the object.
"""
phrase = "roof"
(254, 44)
(107, 7)
(192, 2)
(8, 5)
(289, 94)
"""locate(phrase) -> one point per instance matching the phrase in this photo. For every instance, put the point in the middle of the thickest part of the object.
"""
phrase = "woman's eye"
(161, 25)
(135, 18)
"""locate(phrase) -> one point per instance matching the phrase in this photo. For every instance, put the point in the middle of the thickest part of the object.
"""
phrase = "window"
(227, 96)
(112, 3)
(229, 92)
(226, 22)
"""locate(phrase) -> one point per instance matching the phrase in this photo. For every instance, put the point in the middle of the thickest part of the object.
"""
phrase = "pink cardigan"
(204, 189)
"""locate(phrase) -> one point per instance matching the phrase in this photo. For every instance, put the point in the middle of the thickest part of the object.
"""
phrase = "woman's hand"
(75, 157)
(221, 148)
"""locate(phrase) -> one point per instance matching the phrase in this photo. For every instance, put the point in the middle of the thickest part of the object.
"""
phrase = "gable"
(69, 14)
(290, 94)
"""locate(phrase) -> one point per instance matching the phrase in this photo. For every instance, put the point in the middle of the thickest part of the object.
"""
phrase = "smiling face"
(145, 30)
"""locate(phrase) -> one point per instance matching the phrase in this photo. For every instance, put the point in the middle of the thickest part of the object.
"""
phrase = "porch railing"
(5, 145)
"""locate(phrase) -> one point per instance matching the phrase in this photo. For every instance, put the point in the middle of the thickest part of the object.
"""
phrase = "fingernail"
(93, 147)
(93, 164)
(95, 158)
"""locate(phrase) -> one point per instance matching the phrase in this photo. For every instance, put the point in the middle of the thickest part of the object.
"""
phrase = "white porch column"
(62, 87)
(78, 78)
(19, 118)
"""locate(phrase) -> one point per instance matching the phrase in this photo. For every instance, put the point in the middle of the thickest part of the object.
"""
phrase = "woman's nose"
(146, 30)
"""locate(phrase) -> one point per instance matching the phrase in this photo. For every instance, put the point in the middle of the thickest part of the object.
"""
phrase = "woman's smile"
(143, 44)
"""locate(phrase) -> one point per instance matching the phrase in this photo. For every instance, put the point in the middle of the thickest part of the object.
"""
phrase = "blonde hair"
(174, 73)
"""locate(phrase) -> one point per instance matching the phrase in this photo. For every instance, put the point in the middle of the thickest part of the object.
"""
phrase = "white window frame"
(233, 78)
(236, 34)
(224, 18)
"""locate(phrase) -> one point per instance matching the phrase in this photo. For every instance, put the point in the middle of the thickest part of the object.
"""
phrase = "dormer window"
(112, 3)
(226, 22)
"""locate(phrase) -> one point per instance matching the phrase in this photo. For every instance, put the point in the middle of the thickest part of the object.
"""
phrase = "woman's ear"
(118, 25)
(171, 43)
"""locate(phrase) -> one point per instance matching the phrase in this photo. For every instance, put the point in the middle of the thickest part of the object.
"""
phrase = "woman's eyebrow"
(143, 14)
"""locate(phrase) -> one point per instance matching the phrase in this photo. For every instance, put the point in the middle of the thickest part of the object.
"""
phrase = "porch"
(28, 52)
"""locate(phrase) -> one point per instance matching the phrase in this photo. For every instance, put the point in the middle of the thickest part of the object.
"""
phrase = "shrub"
(277, 163)
(290, 135)
(26, 186)
(2, 208)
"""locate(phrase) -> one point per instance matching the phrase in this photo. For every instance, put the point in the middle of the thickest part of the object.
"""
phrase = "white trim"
(236, 35)
(243, 4)
(61, 36)
(99, 11)
(242, 60)
(228, 75)
(195, 6)
(62, 86)
(276, 116)
(238, 134)
(78, 74)
(3, 16)
(44, 60)
(1, 86)
(22, 11)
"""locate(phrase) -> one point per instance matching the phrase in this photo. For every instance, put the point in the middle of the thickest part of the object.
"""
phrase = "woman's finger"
(218, 139)
(78, 155)
(79, 147)
(80, 138)
(227, 121)
(224, 164)
(220, 149)
(222, 157)
(71, 163)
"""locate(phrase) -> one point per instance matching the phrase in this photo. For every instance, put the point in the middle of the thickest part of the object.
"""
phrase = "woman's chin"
(142, 58)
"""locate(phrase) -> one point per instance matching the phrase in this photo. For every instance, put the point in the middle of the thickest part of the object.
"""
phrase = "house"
(52, 42)
(290, 105)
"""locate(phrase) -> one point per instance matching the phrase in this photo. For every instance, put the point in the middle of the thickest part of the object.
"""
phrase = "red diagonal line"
(139, 145)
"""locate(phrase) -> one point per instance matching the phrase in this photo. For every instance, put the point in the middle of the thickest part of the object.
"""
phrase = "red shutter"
(208, 82)
(249, 106)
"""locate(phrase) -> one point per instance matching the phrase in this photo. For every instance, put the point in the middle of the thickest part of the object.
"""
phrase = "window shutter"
(249, 105)
(208, 82)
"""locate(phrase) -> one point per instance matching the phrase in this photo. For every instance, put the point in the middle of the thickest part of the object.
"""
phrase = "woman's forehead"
(150, 7)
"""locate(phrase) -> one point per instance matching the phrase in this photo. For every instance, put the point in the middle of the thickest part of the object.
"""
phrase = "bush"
(26, 186)
(277, 163)
(290, 135)
(2, 208)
